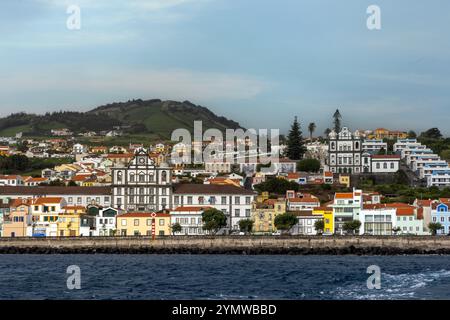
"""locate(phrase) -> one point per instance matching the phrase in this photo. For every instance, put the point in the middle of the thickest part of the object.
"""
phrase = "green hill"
(145, 118)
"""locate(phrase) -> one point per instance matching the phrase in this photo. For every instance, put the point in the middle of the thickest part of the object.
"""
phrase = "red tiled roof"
(328, 174)
(344, 196)
(44, 200)
(190, 209)
(304, 199)
(386, 156)
(406, 211)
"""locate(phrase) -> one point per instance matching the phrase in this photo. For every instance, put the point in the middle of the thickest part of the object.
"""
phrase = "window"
(161, 222)
(164, 176)
(176, 200)
(237, 212)
(136, 222)
(123, 222)
(189, 199)
(237, 200)
(392, 165)
(149, 222)
(223, 200)
(247, 200)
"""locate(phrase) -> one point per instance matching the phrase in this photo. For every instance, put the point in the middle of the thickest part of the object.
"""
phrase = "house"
(297, 177)
(79, 148)
(402, 144)
(328, 177)
(69, 221)
(377, 219)
(305, 223)
(80, 196)
(218, 166)
(425, 206)
(346, 207)
(190, 220)
(99, 149)
(45, 212)
(409, 220)
(344, 179)
(375, 163)
(374, 146)
(143, 224)
(35, 181)
(235, 202)
(105, 222)
(440, 213)
(19, 218)
(382, 133)
(326, 213)
(11, 180)
(264, 212)
(304, 203)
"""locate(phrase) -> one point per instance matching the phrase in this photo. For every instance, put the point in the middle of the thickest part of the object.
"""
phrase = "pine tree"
(337, 121)
(295, 147)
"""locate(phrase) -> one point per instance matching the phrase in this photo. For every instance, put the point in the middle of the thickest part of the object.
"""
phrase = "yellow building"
(328, 219)
(264, 213)
(140, 224)
(382, 133)
(344, 180)
(69, 221)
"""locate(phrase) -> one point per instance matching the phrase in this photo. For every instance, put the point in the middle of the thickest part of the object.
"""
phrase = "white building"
(376, 219)
(190, 220)
(374, 146)
(406, 143)
(375, 163)
(439, 179)
(346, 207)
(79, 148)
(303, 204)
(428, 169)
(305, 223)
(235, 202)
(105, 222)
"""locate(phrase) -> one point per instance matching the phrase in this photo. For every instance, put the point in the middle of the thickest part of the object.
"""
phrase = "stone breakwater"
(317, 245)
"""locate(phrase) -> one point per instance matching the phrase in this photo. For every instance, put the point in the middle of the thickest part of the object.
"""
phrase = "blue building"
(440, 213)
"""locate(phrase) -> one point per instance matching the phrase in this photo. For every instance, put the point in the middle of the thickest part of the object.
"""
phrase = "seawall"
(333, 245)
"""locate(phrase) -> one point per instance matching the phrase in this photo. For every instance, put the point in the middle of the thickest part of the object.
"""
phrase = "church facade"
(345, 151)
(141, 186)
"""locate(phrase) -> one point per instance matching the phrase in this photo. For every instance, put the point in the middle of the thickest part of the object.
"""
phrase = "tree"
(308, 165)
(352, 226)
(412, 134)
(295, 147)
(396, 230)
(285, 221)
(433, 133)
(176, 227)
(382, 151)
(434, 227)
(213, 220)
(327, 132)
(246, 225)
(319, 225)
(311, 129)
(445, 155)
(277, 185)
(337, 121)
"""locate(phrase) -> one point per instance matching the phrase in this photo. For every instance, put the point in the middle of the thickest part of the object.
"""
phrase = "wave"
(393, 286)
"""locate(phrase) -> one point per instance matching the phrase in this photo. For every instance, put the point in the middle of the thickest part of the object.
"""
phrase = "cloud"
(174, 84)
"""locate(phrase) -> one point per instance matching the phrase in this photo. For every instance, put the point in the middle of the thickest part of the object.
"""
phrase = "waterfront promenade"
(369, 245)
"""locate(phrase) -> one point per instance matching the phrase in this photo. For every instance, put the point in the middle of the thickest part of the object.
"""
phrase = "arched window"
(141, 177)
(333, 145)
(131, 177)
(164, 176)
(356, 145)
(119, 176)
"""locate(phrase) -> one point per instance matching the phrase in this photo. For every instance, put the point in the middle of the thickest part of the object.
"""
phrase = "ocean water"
(223, 277)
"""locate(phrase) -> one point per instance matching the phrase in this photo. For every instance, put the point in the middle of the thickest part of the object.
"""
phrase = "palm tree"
(311, 128)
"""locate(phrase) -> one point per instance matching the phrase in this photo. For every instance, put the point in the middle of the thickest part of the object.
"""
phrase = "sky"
(258, 62)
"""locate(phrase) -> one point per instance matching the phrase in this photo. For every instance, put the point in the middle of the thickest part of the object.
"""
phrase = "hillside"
(154, 118)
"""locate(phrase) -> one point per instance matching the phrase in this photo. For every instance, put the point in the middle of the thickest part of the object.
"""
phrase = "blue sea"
(223, 277)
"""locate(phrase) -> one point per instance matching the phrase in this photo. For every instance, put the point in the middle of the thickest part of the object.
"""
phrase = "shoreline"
(232, 245)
